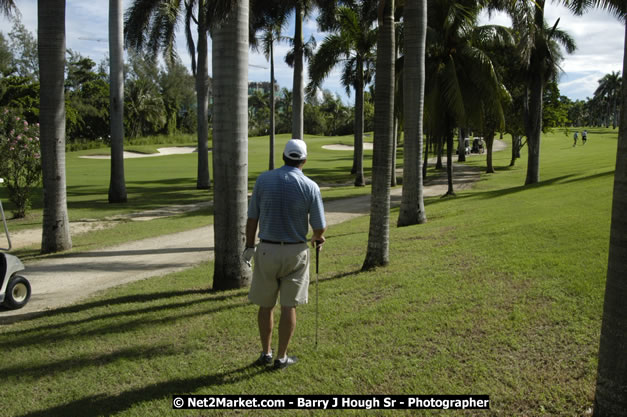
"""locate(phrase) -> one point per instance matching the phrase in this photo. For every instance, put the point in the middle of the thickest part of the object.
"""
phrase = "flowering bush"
(20, 159)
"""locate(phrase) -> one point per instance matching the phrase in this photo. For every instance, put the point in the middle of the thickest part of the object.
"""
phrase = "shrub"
(20, 162)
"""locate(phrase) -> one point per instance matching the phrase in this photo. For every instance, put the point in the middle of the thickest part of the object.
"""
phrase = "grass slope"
(500, 293)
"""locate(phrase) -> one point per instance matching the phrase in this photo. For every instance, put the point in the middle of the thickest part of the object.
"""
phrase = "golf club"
(318, 244)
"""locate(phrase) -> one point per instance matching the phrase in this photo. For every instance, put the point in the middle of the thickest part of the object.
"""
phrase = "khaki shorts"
(280, 269)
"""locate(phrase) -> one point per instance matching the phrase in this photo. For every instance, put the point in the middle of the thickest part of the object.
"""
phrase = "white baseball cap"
(295, 149)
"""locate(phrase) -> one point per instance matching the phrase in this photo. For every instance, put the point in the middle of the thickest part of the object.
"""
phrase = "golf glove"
(248, 255)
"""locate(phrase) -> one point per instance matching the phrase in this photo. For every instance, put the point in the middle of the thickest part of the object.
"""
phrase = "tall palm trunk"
(117, 185)
(461, 145)
(230, 147)
(489, 144)
(395, 141)
(272, 107)
(449, 162)
(533, 107)
(359, 125)
(610, 398)
(379, 232)
(425, 159)
(533, 128)
(51, 45)
(298, 87)
(412, 209)
(203, 179)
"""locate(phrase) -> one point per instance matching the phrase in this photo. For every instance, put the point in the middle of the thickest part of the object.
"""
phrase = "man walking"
(283, 204)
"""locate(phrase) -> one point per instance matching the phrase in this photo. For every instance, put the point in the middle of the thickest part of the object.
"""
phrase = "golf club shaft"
(318, 243)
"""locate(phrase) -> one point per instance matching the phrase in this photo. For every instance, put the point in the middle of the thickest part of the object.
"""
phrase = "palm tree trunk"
(440, 150)
(516, 141)
(272, 108)
(610, 398)
(395, 139)
(203, 179)
(51, 45)
(489, 143)
(533, 110)
(359, 125)
(533, 127)
(379, 232)
(425, 159)
(449, 163)
(461, 147)
(117, 184)
(298, 87)
(412, 209)
(230, 148)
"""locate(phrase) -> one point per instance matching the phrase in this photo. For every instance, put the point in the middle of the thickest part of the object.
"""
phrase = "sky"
(599, 37)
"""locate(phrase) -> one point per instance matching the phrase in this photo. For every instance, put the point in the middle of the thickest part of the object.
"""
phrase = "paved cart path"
(65, 279)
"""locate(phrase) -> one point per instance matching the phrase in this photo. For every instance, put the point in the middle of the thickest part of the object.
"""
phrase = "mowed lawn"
(499, 293)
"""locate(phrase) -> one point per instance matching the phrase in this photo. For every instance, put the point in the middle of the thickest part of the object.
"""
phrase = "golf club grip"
(318, 244)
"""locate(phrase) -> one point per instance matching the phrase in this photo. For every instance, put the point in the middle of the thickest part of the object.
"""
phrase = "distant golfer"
(584, 136)
(575, 137)
(284, 202)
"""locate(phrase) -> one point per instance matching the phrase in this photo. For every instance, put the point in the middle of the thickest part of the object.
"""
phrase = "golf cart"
(477, 145)
(14, 289)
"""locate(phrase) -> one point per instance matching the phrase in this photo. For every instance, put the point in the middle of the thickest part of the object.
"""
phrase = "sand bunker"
(178, 150)
(339, 147)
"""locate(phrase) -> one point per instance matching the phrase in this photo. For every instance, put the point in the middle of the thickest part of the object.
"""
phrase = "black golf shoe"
(264, 360)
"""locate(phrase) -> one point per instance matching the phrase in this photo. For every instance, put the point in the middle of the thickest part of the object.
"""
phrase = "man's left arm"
(251, 232)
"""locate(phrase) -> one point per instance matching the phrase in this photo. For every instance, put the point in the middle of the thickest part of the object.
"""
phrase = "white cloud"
(600, 42)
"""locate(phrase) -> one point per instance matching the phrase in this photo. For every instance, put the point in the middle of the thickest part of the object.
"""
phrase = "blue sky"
(599, 38)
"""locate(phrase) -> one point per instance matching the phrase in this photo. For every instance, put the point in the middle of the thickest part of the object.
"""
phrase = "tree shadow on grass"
(141, 321)
(500, 192)
(111, 302)
(86, 361)
(112, 404)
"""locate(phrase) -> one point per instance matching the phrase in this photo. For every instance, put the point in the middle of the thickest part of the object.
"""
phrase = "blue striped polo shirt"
(284, 200)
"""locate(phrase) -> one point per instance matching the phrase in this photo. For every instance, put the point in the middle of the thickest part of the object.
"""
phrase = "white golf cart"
(14, 289)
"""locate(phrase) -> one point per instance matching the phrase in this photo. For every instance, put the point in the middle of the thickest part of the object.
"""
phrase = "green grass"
(499, 293)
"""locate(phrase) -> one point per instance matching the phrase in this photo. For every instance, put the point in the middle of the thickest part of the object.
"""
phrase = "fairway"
(500, 293)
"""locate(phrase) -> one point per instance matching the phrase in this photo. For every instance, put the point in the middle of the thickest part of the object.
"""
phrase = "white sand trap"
(178, 150)
(338, 147)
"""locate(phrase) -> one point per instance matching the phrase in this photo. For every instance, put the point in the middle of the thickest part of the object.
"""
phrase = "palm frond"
(327, 56)
(616, 7)
(191, 47)
(137, 20)
(7, 7)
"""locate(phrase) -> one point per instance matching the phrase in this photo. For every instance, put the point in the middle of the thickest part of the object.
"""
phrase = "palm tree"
(609, 89)
(540, 59)
(301, 9)
(271, 34)
(51, 44)
(459, 70)
(230, 142)
(117, 186)
(412, 209)
(352, 40)
(158, 19)
(379, 231)
(298, 84)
